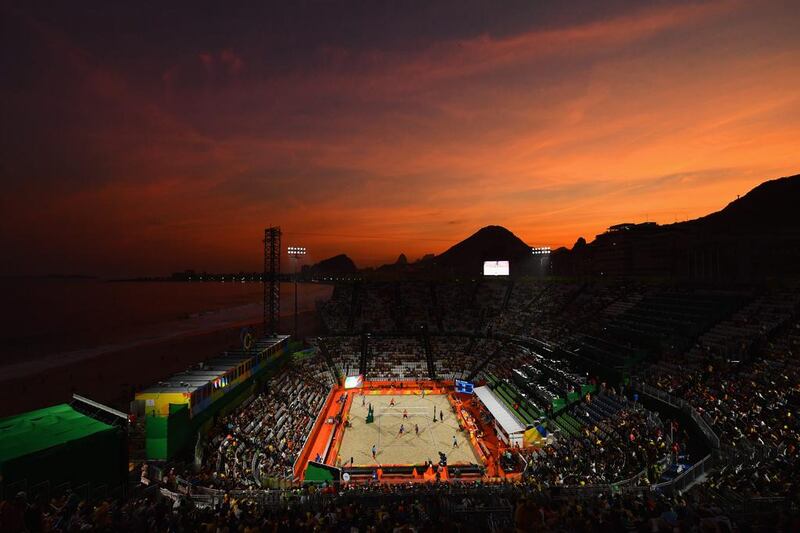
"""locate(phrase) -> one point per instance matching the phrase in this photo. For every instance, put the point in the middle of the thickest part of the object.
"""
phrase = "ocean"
(79, 318)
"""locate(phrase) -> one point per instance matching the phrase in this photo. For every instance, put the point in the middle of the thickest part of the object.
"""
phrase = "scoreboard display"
(464, 387)
(496, 268)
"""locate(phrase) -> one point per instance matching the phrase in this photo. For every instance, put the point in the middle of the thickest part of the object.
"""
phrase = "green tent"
(58, 444)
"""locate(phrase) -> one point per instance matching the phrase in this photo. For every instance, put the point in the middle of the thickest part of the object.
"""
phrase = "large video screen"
(351, 382)
(495, 268)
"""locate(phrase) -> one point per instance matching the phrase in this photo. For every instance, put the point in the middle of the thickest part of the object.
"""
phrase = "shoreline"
(194, 325)
(112, 376)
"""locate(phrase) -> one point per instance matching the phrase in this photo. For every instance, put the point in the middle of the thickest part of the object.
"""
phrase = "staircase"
(437, 310)
(326, 355)
(396, 311)
(362, 364)
(354, 309)
(507, 297)
(429, 356)
(491, 357)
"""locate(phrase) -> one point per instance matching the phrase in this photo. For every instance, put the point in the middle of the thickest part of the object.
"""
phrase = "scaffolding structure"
(271, 280)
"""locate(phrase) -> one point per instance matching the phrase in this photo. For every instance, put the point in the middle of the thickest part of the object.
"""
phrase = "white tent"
(508, 427)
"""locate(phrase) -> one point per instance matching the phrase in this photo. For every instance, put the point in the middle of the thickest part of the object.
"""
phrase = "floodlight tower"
(271, 280)
(295, 252)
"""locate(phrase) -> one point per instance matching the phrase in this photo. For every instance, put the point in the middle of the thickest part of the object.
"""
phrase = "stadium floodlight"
(540, 250)
(295, 252)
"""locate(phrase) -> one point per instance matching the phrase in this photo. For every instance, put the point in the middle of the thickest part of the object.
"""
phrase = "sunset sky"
(140, 140)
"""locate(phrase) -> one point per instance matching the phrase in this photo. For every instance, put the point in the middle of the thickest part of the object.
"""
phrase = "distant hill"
(771, 206)
(755, 237)
(399, 266)
(339, 264)
(487, 244)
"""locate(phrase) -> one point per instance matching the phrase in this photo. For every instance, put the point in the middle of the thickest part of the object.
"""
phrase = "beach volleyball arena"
(398, 431)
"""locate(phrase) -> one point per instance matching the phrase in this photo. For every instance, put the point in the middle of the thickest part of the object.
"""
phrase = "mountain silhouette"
(770, 207)
(338, 264)
(492, 243)
(755, 237)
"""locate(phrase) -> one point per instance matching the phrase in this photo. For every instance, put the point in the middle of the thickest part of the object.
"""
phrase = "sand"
(408, 448)
(113, 376)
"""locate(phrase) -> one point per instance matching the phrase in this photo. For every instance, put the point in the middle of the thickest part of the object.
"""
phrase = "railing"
(683, 405)
(205, 497)
(632, 483)
(198, 450)
(46, 490)
(100, 406)
(686, 478)
(254, 468)
(314, 428)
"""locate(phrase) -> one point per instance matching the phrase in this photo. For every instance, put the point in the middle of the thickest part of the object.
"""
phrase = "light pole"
(295, 252)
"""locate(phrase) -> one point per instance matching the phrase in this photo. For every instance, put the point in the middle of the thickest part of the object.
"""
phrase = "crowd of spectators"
(403, 358)
(452, 355)
(337, 310)
(536, 309)
(439, 507)
(544, 309)
(397, 359)
(738, 374)
(261, 439)
(751, 401)
(604, 440)
(741, 375)
(345, 352)
(377, 308)
(417, 307)
(457, 306)
(456, 357)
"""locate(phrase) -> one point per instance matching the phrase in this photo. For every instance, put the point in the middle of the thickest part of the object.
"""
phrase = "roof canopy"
(34, 431)
(198, 376)
(500, 412)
